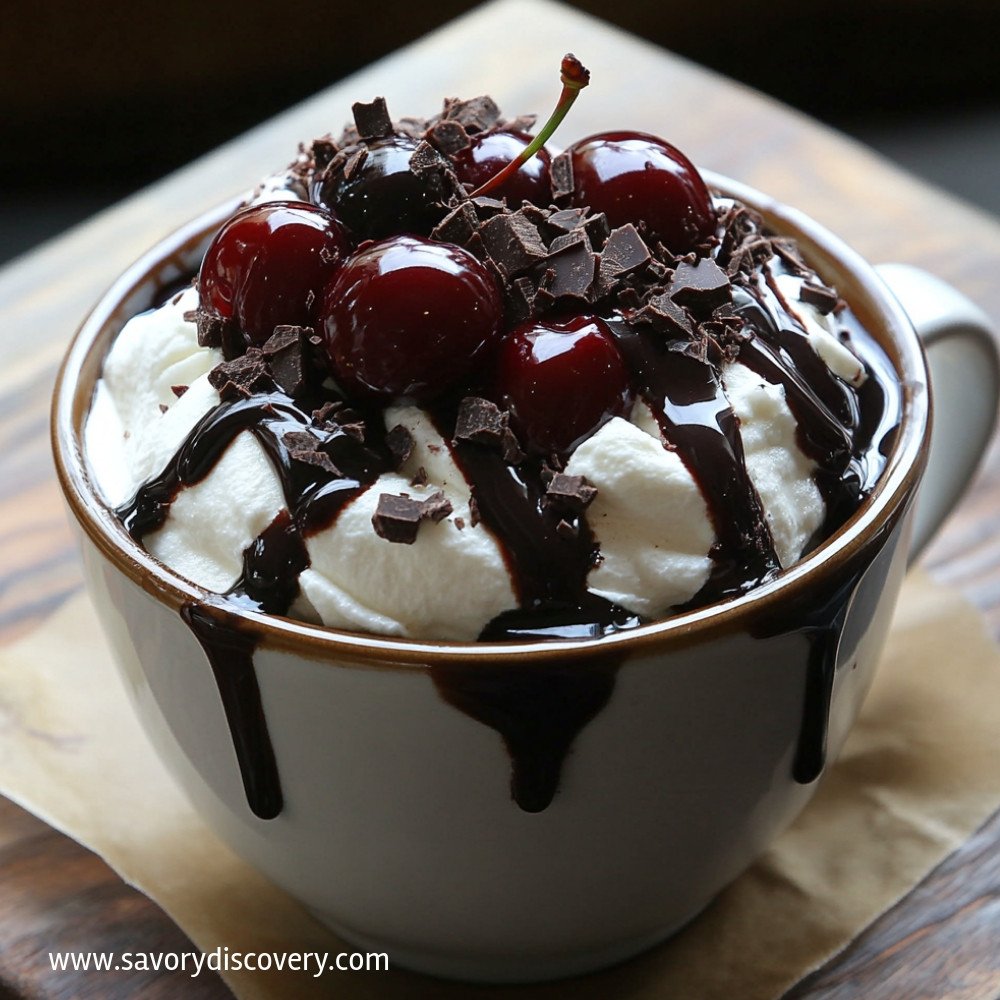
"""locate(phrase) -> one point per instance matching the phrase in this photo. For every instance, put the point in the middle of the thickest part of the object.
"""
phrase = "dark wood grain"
(942, 939)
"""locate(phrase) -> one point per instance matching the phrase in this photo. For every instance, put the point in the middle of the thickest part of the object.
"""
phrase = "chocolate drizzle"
(229, 649)
(538, 709)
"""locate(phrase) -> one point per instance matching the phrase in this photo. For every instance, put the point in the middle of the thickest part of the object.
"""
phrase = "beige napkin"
(919, 773)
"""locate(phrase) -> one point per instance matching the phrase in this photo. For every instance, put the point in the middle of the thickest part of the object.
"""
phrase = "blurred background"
(98, 99)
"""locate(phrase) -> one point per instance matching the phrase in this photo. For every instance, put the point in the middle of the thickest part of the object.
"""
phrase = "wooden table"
(941, 940)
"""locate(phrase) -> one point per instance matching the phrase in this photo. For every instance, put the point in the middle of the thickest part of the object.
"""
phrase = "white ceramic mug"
(381, 769)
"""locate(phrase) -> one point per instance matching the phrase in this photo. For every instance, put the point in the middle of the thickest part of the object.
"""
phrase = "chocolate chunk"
(566, 219)
(399, 441)
(425, 159)
(354, 163)
(819, 296)
(475, 115)
(512, 242)
(561, 175)
(486, 207)
(572, 494)
(299, 441)
(164, 407)
(242, 376)
(283, 351)
(480, 421)
(355, 429)
(210, 327)
(597, 229)
(665, 316)
(303, 447)
(519, 297)
(572, 271)
(397, 518)
(624, 252)
(457, 226)
(459, 523)
(702, 286)
(420, 479)
(436, 507)
(179, 390)
(372, 120)
(568, 240)
(327, 413)
(323, 151)
(448, 136)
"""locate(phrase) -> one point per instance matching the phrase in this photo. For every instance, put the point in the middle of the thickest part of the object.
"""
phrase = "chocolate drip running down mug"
(526, 811)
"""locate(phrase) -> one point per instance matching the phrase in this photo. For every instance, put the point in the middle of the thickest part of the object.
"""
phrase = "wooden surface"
(941, 940)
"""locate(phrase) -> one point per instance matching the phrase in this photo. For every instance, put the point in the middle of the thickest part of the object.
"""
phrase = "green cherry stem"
(575, 76)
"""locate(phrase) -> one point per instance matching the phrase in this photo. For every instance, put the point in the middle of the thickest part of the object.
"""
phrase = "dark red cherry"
(268, 266)
(633, 177)
(383, 196)
(562, 380)
(490, 152)
(408, 317)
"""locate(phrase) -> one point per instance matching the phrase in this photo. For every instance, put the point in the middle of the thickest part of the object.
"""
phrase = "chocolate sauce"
(538, 709)
(229, 649)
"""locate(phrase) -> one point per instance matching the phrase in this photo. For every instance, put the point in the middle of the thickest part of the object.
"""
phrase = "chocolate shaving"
(420, 479)
(449, 137)
(179, 390)
(701, 286)
(569, 494)
(323, 151)
(355, 162)
(436, 507)
(572, 271)
(664, 315)
(241, 377)
(284, 353)
(400, 443)
(457, 226)
(624, 251)
(480, 421)
(163, 407)
(425, 159)
(823, 299)
(476, 115)
(372, 120)
(512, 242)
(561, 175)
(568, 240)
(397, 518)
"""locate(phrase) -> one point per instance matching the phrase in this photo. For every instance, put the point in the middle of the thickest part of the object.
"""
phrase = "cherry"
(561, 380)
(406, 316)
(268, 266)
(490, 152)
(634, 177)
(383, 196)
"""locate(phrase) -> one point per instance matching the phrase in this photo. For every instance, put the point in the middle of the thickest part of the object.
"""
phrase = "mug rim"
(869, 298)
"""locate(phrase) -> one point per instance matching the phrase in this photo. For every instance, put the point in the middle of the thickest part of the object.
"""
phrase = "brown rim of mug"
(857, 282)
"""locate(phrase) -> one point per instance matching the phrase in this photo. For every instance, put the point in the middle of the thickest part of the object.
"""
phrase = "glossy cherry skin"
(561, 380)
(268, 266)
(490, 152)
(634, 177)
(384, 196)
(408, 317)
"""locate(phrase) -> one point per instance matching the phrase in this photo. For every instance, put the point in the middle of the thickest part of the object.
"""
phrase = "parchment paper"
(919, 773)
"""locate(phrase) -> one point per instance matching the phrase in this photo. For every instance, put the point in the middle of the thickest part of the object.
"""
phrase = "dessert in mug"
(417, 392)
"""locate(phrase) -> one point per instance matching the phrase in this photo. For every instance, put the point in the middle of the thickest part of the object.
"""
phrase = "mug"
(532, 810)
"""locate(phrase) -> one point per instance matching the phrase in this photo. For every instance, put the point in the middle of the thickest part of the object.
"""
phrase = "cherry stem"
(575, 76)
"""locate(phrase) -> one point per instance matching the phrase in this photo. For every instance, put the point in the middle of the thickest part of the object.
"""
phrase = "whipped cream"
(649, 517)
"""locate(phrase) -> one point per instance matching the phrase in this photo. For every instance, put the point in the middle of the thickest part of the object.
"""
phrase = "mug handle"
(959, 341)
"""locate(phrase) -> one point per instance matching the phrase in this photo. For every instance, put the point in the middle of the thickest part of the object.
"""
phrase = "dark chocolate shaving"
(449, 137)
(512, 243)
(475, 115)
(458, 225)
(569, 494)
(561, 175)
(179, 390)
(823, 299)
(624, 251)
(372, 120)
(400, 443)
(481, 422)
(397, 518)
(701, 286)
(241, 377)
